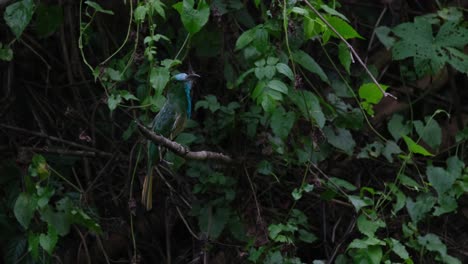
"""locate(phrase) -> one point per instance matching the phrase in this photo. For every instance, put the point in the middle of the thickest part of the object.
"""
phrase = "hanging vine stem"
(126, 37)
(356, 55)
(183, 46)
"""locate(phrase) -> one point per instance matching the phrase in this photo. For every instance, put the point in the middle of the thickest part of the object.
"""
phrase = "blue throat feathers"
(188, 87)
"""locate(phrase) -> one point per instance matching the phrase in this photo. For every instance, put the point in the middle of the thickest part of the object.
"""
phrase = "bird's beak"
(192, 76)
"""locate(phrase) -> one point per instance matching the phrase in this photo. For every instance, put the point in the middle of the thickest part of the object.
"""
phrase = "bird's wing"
(179, 124)
(165, 119)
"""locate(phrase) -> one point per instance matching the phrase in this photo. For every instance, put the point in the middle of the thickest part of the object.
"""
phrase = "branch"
(180, 150)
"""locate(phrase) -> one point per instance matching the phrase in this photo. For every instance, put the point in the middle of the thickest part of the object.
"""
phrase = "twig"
(180, 150)
(356, 55)
(71, 143)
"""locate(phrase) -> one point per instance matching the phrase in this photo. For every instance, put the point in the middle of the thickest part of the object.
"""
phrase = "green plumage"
(169, 122)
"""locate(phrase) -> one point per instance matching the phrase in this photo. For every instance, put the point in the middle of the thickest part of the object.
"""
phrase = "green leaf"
(281, 122)
(382, 34)
(278, 86)
(83, 219)
(140, 14)
(447, 204)
(400, 198)
(159, 77)
(98, 7)
(431, 133)
(397, 127)
(419, 209)
(309, 105)
(18, 15)
(440, 179)
(307, 236)
(359, 202)
(306, 61)
(343, 28)
(127, 95)
(342, 183)
(49, 19)
(24, 209)
(415, 147)
(285, 70)
(398, 249)
(113, 101)
(431, 53)
(370, 93)
(432, 243)
(390, 149)
(193, 18)
(333, 12)
(367, 226)
(49, 240)
(6, 53)
(33, 245)
(245, 39)
(60, 220)
(366, 243)
(345, 56)
(340, 138)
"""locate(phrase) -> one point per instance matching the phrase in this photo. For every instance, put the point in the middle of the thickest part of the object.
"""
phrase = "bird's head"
(184, 77)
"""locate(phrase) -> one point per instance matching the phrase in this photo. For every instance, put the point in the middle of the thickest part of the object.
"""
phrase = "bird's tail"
(147, 192)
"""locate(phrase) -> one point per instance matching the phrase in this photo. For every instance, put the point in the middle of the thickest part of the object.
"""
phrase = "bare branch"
(180, 150)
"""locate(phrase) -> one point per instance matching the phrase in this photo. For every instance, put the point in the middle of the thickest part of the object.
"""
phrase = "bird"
(169, 122)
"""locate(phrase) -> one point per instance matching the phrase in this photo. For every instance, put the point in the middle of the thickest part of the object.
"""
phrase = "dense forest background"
(341, 127)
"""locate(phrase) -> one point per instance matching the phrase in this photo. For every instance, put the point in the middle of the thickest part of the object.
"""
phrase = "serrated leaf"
(18, 15)
(399, 249)
(415, 147)
(306, 61)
